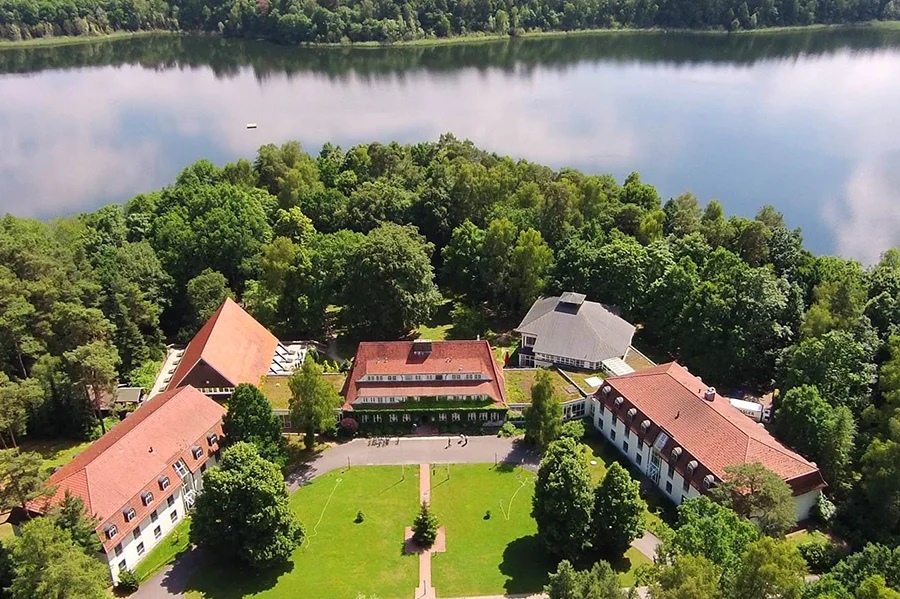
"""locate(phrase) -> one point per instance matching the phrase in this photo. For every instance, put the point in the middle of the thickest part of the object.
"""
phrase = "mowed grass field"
(501, 554)
(498, 555)
(339, 558)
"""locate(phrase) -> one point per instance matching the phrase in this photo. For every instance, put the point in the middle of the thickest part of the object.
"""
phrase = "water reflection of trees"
(227, 57)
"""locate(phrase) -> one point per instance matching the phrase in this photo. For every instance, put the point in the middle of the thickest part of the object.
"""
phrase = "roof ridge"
(117, 433)
(707, 404)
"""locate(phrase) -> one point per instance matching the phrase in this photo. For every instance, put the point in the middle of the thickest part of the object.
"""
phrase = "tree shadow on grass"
(224, 581)
(527, 565)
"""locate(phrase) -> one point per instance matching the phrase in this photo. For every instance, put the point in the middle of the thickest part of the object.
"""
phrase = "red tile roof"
(111, 475)
(445, 357)
(233, 344)
(713, 433)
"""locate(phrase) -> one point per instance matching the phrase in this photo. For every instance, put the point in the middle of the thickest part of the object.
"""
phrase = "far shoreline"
(474, 38)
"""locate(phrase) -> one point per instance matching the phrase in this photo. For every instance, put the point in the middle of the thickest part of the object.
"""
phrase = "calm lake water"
(807, 121)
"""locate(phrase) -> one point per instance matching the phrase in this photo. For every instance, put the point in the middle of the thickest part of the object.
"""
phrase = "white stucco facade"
(134, 546)
(653, 464)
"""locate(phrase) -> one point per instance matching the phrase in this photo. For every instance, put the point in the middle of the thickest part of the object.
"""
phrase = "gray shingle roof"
(585, 331)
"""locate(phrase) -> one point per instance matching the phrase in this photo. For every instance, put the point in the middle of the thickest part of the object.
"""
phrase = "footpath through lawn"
(339, 558)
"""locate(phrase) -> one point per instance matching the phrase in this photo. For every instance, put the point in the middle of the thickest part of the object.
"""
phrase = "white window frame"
(181, 468)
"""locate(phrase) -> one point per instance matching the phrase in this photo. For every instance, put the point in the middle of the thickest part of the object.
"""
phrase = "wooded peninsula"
(332, 22)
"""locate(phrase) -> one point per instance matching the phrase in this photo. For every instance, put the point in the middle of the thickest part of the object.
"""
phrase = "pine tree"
(425, 527)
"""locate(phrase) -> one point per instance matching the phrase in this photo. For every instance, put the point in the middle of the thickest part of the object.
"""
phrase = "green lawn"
(502, 554)
(277, 391)
(439, 327)
(519, 382)
(56, 452)
(165, 553)
(339, 559)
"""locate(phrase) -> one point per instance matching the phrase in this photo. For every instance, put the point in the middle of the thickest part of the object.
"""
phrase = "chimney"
(710, 394)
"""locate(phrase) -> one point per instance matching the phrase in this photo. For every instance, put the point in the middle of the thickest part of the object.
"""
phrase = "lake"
(806, 120)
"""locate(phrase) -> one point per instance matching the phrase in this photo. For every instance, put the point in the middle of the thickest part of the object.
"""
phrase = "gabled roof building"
(569, 331)
(141, 477)
(231, 348)
(425, 382)
(683, 435)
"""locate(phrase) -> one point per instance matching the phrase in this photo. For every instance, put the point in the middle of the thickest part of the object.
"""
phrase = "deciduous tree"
(757, 493)
(23, 478)
(770, 568)
(243, 514)
(250, 418)
(48, 563)
(313, 401)
(618, 516)
(600, 582)
(563, 500)
(687, 577)
(543, 418)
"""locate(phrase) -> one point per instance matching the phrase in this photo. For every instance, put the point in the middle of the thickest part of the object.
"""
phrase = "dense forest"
(332, 21)
(368, 241)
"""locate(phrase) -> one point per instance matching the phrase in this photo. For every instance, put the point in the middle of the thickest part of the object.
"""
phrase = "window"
(170, 501)
(472, 415)
(639, 458)
(365, 418)
(163, 483)
(484, 415)
(118, 549)
(111, 531)
(174, 515)
(137, 532)
(157, 532)
(627, 433)
(154, 516)
(600, 424)
(202, 467)
(147, 497)
(442, 417)
(196, 452)
(122, 565)
(181, 468)
(602, 409)
(612, 434)
(140, 549)
(406, 418)
(495, 415)
(669, 487)
(129, 514)
(625, 446)
(685, 484)
(683, 498)
(211, 438)
(376, 418)
(671, 470)
(455, 417)
(393, 418)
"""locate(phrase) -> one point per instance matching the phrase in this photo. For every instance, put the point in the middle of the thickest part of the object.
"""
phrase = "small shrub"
(360, 517)
(487, 515)
(820, 554)
(824, 510)
(128, 582)
(508, 430)
(348, 427)
(574, 429)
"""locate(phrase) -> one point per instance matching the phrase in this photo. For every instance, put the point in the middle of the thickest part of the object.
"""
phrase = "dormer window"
(181, 468)
(196, 452)
(147, 497)
(111, 531)
(619, 401)
(129, 514)
(163, 483)
(631, 413)
(211, 438)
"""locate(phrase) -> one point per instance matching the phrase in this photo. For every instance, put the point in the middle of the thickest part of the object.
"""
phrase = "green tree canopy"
(48, 563)
(71, 516)
(393, 265)
(757, 493)
(687, 577)
(313, 401)
(425, 526)
(250, 418)
(543, 418)
(600, 582)
(23, 478)
(770, 568)
(618, 516)
(563, 500)
(243, 513)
